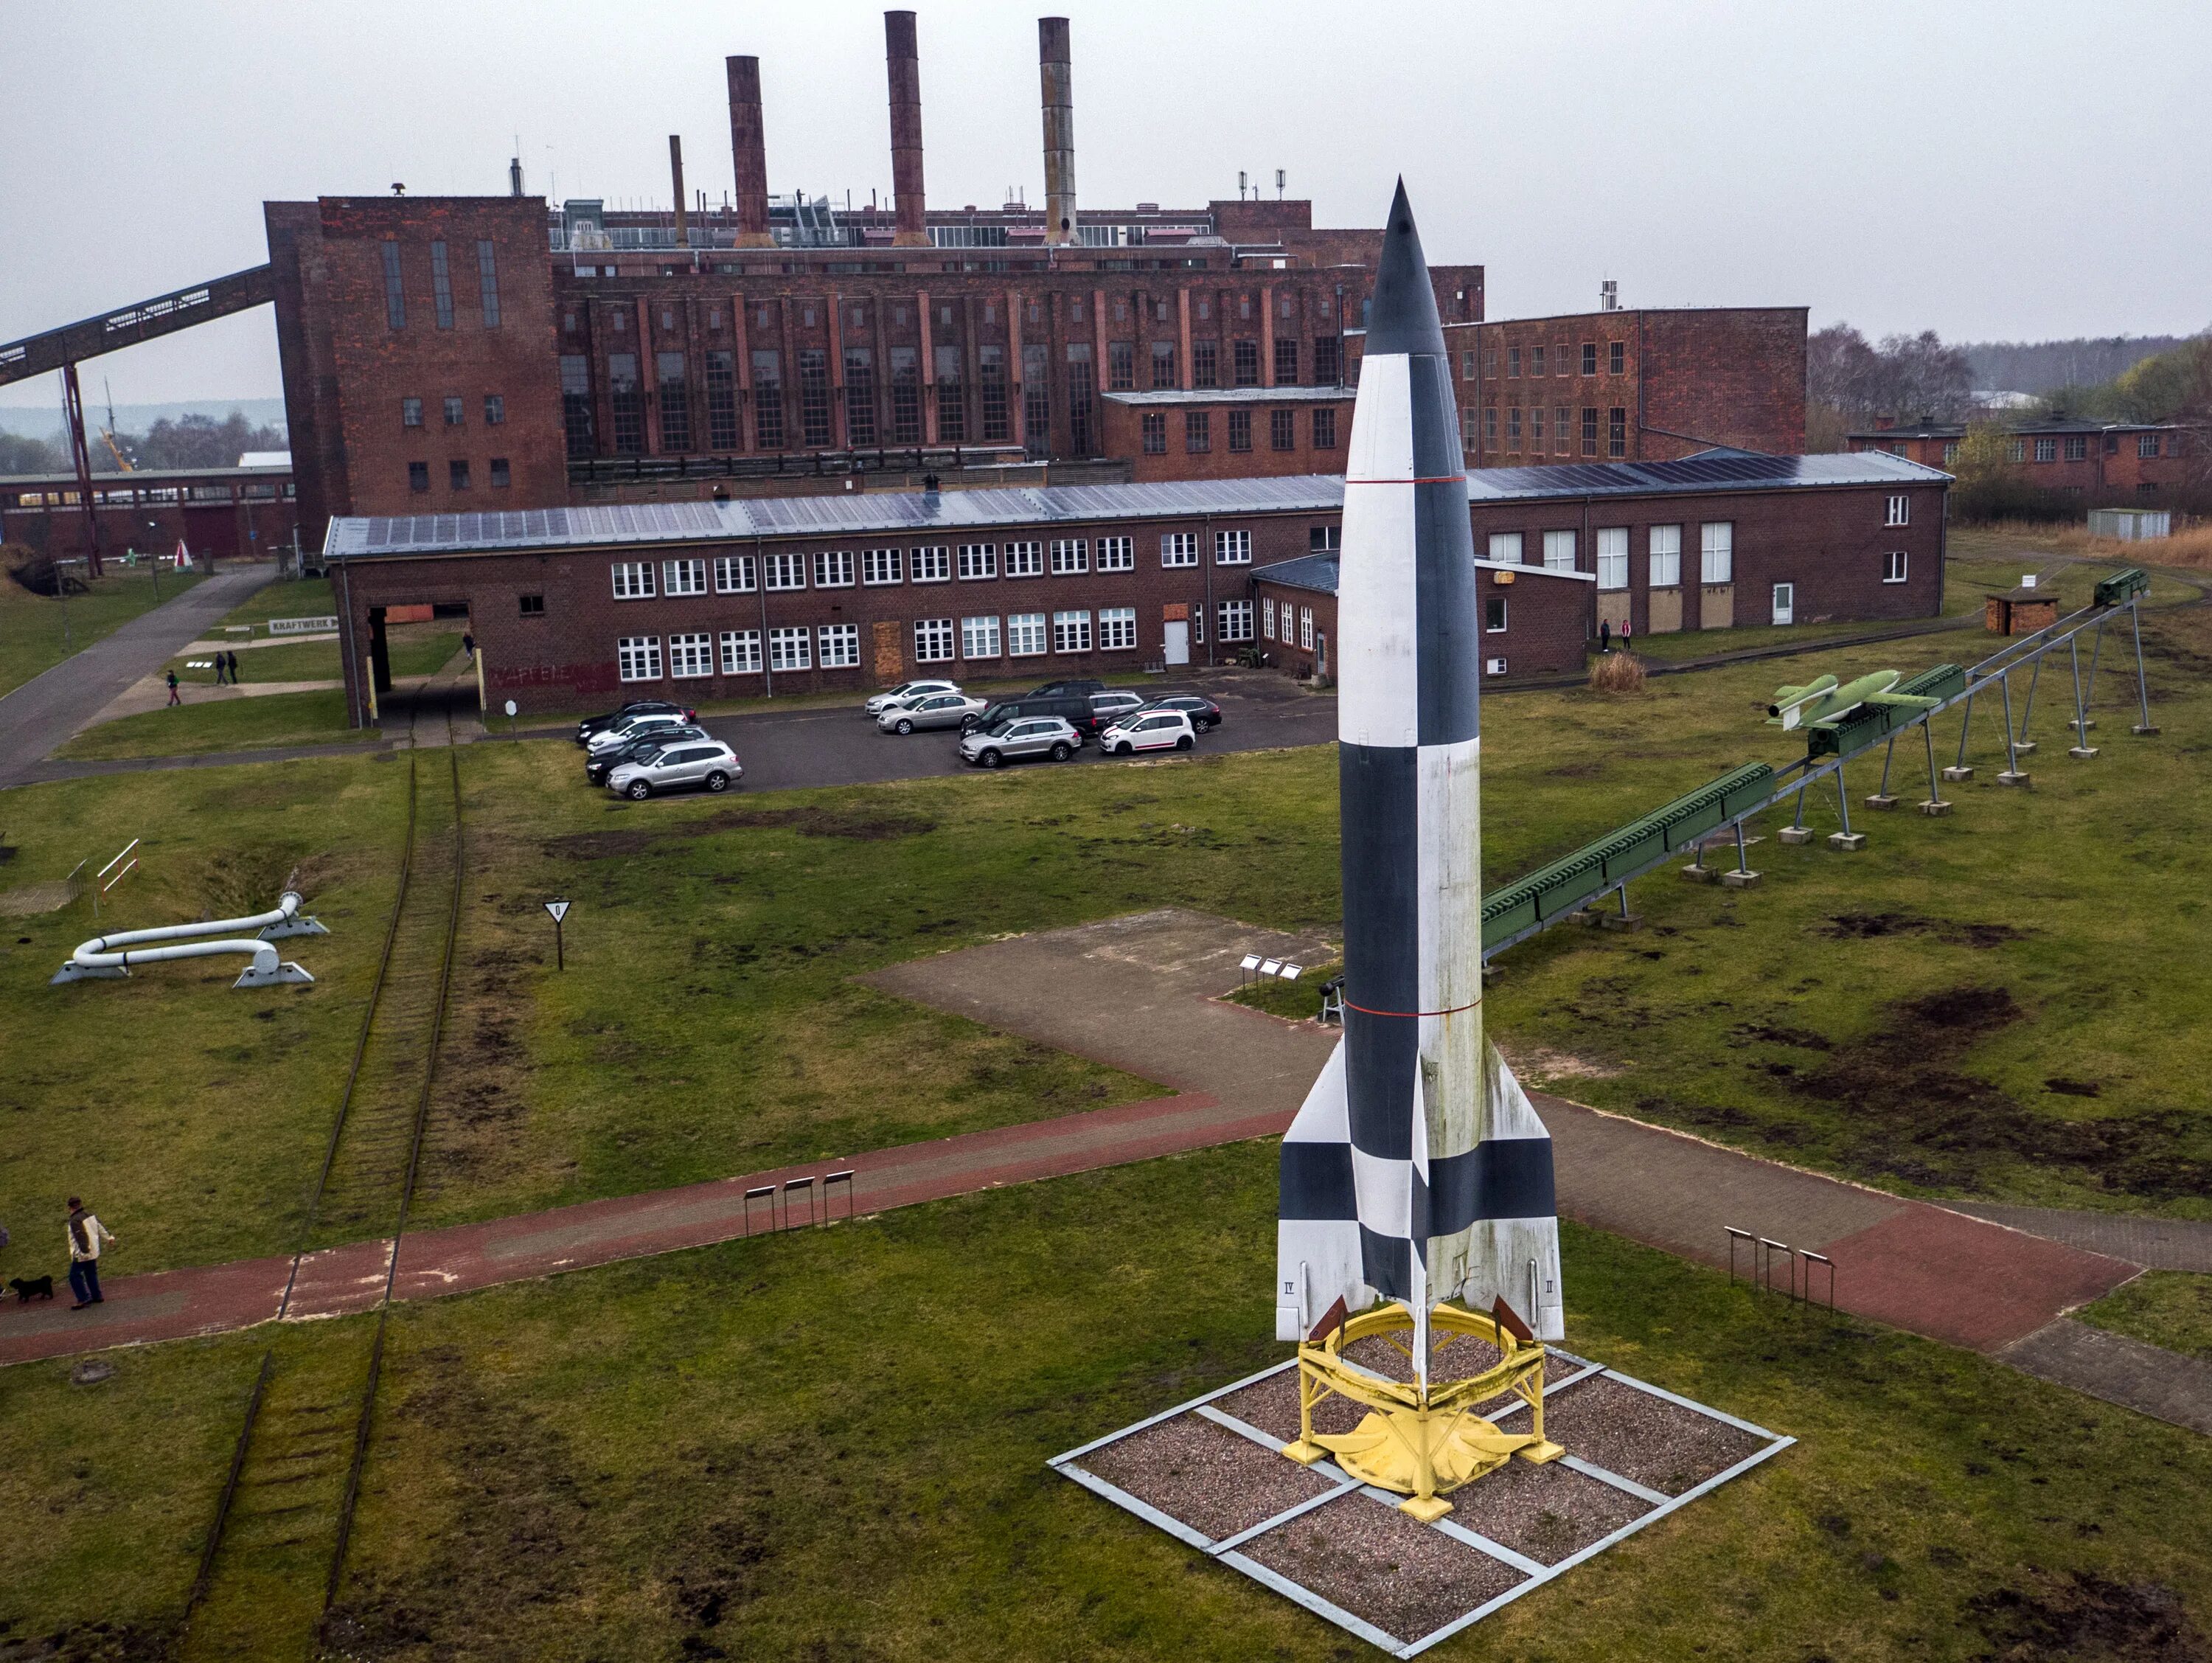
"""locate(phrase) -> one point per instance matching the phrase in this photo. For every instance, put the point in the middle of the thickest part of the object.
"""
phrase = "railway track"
(276, 1550)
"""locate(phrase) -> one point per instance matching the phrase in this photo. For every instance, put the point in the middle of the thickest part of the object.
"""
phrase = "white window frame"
(690, 656)
(932, 563)
(1236, 620)
(1117, 554)
(1117, 629)
(1505, 547)
(979, 562)
(1305, 628)
(1232, 548)
(1026, 560)
(785, 571)
(637, 658)
(633, 580)
(1178, 548)
(1716, 552)
(791, 648)
(1071, 631)
(741, 652)
(840, 647)
(1613, 558)
(1070, 556)
(1900, 511)
(932, 641)
(979, 639)
(1895, 567)
(1027, 635)
(879, 567)
(1665, 544)
(734, 574)
(1558, 550)
(833, 568)
(1268, 615)
(682, 577)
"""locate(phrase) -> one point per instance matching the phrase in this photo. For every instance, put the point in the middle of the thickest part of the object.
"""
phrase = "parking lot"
(839, 746)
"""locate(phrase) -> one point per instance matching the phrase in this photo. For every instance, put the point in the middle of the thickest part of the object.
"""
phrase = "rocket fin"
(1517, 1257)
(1318, 1256)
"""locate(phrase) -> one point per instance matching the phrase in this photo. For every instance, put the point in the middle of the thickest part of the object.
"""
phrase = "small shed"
(2020, 612)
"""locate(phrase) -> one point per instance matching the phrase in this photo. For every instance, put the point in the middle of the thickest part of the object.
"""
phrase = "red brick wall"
(221, 530)
(2112, 469)
(1125, 442)
(1548, 623)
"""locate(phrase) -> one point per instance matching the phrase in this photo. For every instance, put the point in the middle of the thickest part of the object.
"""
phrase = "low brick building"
(2097, 461)
(1229, 432)
(219, 513)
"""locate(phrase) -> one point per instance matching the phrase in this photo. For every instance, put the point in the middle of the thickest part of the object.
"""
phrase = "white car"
(638, 727)
(933, 710)
(906, 693)
(1147, 730)
(709, 763)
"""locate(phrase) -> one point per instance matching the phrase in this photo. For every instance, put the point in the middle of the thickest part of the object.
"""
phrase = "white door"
(1178, 641)
(1785, 602)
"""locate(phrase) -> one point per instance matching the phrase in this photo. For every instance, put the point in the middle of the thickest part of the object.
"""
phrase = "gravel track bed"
(1659, 1445)
(1378, 1563)
(1547, 1512)
(1216, 1481)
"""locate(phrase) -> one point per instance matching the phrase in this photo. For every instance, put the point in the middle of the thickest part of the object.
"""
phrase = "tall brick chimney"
(676, 184)
(749, 148)
(1057, 72)
(903, 58)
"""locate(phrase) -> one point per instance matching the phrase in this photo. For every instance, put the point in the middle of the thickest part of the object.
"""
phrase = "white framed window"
(637, 657)
(1558, 550)
(1493, 614)
(1900, 511)
(791, 648)
(734, 575)
(787, 571)
(1892, 566)
(833, 568)
(1305, 628)
(1025, 637)
(1070, 632)
(1024, 560)
(683, 576)
(1236, 620)
(1117, 629)
(1716, 552)
(978, 561)
(1613, 558)
(1070, 555)
(691, 656)
(741, 654)
(1232, 548)
(933, 640)
(633, 580)
(1267, 618)
(1117, 554)
(932, 565)
(1178, 548)
(1666, 544)
(841, 646)
(979, 637)
(880, 566)
(1505, 547)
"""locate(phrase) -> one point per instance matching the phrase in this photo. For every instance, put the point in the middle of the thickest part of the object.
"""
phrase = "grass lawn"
(417, 649)
(271, 719)
(2172, 1308)
(731, 1453)
(36, 632)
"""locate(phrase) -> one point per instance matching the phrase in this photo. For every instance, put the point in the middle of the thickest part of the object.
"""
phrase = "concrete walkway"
(46, 711)
(2120, 1370)
(2156, 1244)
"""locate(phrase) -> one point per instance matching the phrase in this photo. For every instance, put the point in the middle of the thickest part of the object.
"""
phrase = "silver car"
(638, 727)
(1021, 736)
(1113, 706)
(932, 710)
(906, 693)
(711, 763)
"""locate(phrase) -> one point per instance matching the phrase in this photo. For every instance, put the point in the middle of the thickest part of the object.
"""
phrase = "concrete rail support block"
(1935, 807)
(2010, 778)
(1794, 835)
(2082, 752)
(2024, 748)
(1953, 775)
(1881, 802)
(1704, 874)
(2082, 726)
(1739, 879)
(1621, 921)
(2149, 730)
(1850, 842)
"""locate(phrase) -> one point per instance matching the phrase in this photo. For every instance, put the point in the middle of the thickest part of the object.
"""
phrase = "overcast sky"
(2001, 170)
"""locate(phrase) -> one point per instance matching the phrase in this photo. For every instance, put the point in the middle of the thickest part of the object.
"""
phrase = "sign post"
(560, 910)
(510, 715)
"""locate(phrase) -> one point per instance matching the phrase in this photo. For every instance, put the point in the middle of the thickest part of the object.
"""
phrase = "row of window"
(969, 562)
(456, 410)
(1198, 431)
(459, 476)
(1559, 434)
(441, 284)
(1294, 623)
(2068, 446)
(1663, 553)
(1559, 360)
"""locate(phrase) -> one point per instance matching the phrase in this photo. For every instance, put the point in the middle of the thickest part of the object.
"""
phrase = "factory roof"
(2008, 422)
(913, 513)
(66, 478)
(1236, 395)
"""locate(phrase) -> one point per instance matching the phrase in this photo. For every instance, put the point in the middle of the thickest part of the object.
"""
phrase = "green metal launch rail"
(1606, 867)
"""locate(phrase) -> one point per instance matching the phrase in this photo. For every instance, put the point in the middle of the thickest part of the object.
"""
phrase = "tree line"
(191, 441)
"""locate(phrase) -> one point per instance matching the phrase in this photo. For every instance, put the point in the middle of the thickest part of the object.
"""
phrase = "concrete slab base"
(1794, 835)
(2008, 778)
(1953, 775)
(1704, 874)
(2081, 725)
(1850, 842)
(2149, 730)
(2083, 753)
(2025, 748)
(1739, 879)
(1935, 807)
(1881, 801)
(1621, 921)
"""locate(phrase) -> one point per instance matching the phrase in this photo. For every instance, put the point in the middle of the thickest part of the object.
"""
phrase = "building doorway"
(1785, 603)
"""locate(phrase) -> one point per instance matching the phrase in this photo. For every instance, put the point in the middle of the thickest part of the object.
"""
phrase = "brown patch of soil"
(1381, 1565)
(876, 827)
(1775, 1034)
(2081, 1618)
(1216, 1481)
(93, 1642)
(600, 845)
(1868, 926)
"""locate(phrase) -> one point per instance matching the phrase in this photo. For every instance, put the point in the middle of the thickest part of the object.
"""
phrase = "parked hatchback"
(634, 727)
(907, 692)
(937, 710)
(1148, 730)
(710, 764)
(598, 765)
(1021, 737)
(1203, 713)
(636, 707)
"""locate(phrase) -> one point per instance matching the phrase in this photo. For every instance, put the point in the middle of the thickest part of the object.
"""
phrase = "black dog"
(30, 1287)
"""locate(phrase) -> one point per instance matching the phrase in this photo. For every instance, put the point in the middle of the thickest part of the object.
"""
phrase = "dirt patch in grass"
(245, 878)
(2081, 1616)
(866, 826)
(1868, 926)
(1775, 1034)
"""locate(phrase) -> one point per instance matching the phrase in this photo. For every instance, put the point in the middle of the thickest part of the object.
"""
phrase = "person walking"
(1604, 635)
(220, 670)
(469, 647)
(234, 669)
(86, 1235)
(1625, 624)
(173, 699)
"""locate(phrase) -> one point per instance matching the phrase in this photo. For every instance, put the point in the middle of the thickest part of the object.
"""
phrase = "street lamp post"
(154, 560)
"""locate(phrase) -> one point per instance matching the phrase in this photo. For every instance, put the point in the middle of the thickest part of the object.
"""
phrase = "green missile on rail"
(1822, 700)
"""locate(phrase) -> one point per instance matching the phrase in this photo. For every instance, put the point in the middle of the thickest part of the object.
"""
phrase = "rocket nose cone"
(1403, 315)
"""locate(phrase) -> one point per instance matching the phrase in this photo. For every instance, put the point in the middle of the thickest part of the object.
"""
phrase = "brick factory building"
(730, 598)
(217, 513)
(2115, 461)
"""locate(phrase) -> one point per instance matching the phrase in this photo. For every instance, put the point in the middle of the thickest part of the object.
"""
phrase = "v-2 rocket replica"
(1417, 1172)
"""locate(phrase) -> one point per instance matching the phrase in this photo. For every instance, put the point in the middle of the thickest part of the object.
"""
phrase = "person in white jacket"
(86, 1235)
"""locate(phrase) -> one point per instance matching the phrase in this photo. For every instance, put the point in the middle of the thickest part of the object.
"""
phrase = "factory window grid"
(457, 476)
(951, 397)
(1665, 546)
(1240, 430)
(767, 401)
(1589, 430)
(395, 297)
(494, 410)
(457, 411)
(1236, 620)
(741, 652)
(880, 566)
(690, 657)
(1070, 555)
(978, 561)
(1512, 428)
(1616, 357)
(1070, 632)
(1490, 424)
(633, 580)
(1117, 554)
(932, 563)
(1037, 405)
(734, 575)
(1324, 430)
(787, 571)
(1232, 548)
(1026, 560)
(1025, 635)
(1121, 366)
(1536, 359)
(1282, 429)
(1590, 357)
(1197, 431)
(441, 285)
(905, 397)
(2077, 447)
(1155, 429)
(686, 577)
(637, 658)
(1562, 430)
(1117, 629)
(1616, 431)
(1899, 512)
(1163, 366)
(1893, 566)
(979, 637)
(1558, 550)
(814, 397)
(2146, 446)
(860, 397)
(1512, 363)
(626, 402)
(791, 648)
(1244, 362)
(2046, 449)
(1505, 547)
(1305, 628)
(1536, 429)
(1716, 552)
(991, 361)
(1268, 617)
(418, 477)
(833, 568)
(1178, 548)
(1493, 614)
(411, 413)
(1465, 374)
(1490, 363)
(1328, 362)
(933, 640)
(722, 400)
(1286, 362)
(531, 605)
(488, 282)
(1205, 364)
(1613, 558)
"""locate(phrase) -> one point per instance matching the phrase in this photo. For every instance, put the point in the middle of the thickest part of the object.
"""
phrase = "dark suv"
(1073, 708)
(636, 707)
(1066, 689)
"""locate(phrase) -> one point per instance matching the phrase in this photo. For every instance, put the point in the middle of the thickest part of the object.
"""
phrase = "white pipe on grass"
(113, 955)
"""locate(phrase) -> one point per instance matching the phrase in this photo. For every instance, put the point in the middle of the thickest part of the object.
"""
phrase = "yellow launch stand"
(1422, 1441)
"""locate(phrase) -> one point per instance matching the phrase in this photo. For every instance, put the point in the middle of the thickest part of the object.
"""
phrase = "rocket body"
(1417, 1169)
